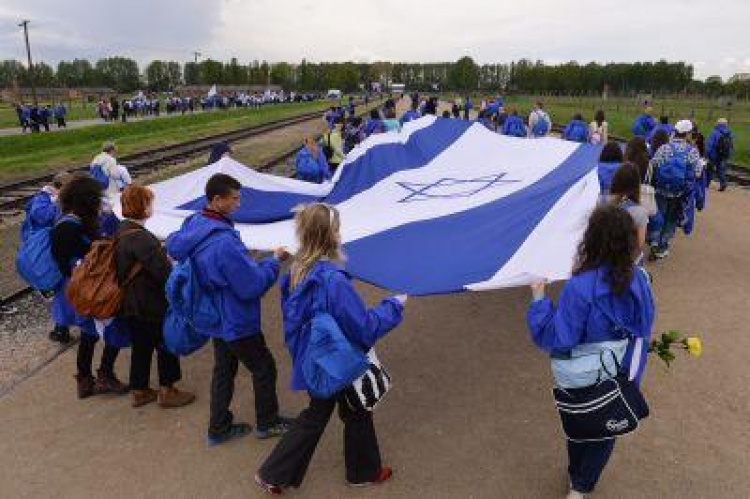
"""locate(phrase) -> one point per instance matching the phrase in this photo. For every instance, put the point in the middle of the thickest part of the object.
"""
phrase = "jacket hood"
(299, 302)
(640, 294)
(194, 230)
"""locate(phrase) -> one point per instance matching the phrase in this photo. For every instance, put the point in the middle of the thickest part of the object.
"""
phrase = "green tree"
(191, 73)
(464, 75)
(11, 72)
(119, 73)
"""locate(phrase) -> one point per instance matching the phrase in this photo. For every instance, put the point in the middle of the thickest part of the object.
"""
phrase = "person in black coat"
(142, 270)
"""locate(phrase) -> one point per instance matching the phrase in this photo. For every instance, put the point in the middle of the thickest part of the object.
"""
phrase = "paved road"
(470, 414)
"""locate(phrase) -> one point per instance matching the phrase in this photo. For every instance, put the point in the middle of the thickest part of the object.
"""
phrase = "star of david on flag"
(425, 210)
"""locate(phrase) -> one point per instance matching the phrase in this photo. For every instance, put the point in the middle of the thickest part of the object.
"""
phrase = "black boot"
(60, 334)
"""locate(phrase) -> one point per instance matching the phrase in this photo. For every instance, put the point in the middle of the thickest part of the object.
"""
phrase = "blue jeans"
(671, 211)
(721, 172)
(586, 461)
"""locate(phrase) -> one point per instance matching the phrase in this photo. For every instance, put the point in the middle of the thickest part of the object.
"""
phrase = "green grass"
(24, 155)
(621, 112)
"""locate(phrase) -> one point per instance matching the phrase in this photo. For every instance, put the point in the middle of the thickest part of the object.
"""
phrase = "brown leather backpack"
(93, 290)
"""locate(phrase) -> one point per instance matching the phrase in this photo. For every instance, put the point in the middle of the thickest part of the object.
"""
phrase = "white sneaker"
(574, 494)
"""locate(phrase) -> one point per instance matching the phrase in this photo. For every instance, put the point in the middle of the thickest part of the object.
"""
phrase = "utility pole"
(197, 54)
(25, 24)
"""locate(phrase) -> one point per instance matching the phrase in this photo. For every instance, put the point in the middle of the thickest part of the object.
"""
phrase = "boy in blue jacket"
(237, 282)
(644, 124)
(719, 149)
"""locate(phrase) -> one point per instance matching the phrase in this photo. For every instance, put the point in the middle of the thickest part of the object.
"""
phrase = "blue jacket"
(643, 125)
(577, 131)
(410, 115)
(309, 169)
(586, 311)
(606, 171)
(514, 126)
(713, 141)
(661, 126)
(362, 326)
(226, 270)
(41, 212)
(374, 126)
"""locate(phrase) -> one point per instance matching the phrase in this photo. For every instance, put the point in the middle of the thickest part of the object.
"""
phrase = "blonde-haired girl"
(316, 273)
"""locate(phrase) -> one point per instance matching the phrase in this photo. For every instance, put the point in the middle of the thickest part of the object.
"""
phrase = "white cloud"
(417, 30)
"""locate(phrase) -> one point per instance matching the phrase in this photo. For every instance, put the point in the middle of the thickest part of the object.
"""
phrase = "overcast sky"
(712, 35)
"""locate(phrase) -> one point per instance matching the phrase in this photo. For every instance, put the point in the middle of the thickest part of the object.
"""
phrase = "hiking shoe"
(85, 386)
(143, 397)
(108, 383)
(659, 254)
(60, 336)
(235, 430)
(722, 188)
(276, 430)
(171, 397)
(384, 475)
(274, 490)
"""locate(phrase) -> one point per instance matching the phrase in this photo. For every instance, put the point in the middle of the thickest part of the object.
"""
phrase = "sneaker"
(384, 475)
(143, 397)
(171, 397)
(660, 254)
(274, 490)
(276, 430)
(722, 188)
(574, 494)
(108, 383)
(235, 430)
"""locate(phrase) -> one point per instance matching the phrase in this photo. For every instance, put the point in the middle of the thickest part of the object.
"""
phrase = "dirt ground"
(470, 414)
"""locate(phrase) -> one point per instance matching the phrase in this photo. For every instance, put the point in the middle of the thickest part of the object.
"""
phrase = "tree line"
(124, 75)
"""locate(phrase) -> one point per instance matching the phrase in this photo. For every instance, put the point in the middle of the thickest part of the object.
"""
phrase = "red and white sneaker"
(384, 475)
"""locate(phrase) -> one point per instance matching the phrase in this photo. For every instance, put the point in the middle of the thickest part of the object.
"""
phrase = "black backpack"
(724, 146)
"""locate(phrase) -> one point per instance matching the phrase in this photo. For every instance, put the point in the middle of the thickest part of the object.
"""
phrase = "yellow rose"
(694, 346)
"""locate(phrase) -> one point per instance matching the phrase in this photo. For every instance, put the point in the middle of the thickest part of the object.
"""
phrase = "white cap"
(722, 121)
(683, 126)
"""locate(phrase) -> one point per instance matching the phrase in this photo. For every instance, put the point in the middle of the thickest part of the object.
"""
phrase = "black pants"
(61, 123)
(287, 464)
(586, 463)
(147, 336)
(86, 357)
(256, 357)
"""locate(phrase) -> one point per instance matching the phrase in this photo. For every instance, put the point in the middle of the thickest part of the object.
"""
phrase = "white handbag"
(648, 194)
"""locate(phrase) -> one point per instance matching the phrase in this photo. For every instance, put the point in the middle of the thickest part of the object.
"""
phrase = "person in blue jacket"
(514, 125)
(577, 130)
(610, 160)
(411, 114)
(311, 164)
(643, 124)
(468, 106)
(607, 298)
(374, 124)
(70, 240)
(719, 150)
(315, 271)
(486, 121)
(237, 282)
(663, 125)
(42, 211)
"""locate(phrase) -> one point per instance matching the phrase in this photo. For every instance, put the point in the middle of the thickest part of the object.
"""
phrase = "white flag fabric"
(442, 206)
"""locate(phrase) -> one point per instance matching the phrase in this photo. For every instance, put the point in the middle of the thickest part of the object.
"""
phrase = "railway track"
(14, 195)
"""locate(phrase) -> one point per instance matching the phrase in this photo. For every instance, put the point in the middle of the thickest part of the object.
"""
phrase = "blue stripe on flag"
(258, 206)
(383, 160)
(433, 256)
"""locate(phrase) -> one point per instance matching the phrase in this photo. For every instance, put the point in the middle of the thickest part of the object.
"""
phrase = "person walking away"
(108, 173)
(412, 113)
(610, 160)
(45, 113)
(676, 166)
(636, 152)
(310, 164)
(374, 124)
(70, 240)
(577, 130)
(316, 277)
(599, 129)
(625, 192)
(719, 149)
(540, 123)
(514, 125)
(60, 113)
(237, 282)
(468, 106)
(390, 123)
(34, 119)
(662, 126)
(144, 304)
(605, 286)
(643, 124)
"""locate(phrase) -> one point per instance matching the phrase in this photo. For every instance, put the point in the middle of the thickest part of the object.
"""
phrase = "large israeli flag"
(442, 206)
